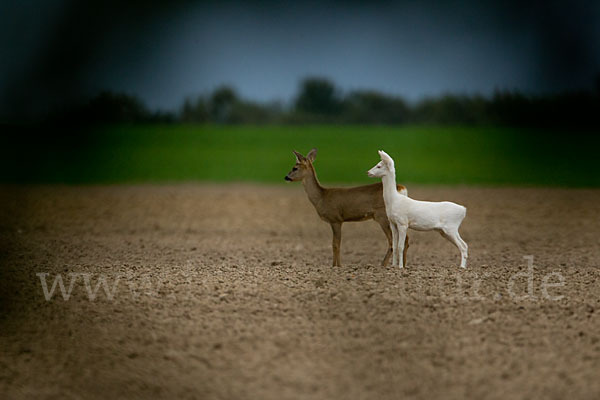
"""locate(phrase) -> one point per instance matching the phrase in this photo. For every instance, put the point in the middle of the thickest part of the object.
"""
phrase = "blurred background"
(458, 92)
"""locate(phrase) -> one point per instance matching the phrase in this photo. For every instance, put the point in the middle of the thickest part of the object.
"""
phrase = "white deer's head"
(383, 167)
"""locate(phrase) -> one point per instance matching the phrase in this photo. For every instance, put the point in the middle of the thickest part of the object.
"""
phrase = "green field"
(423, 154)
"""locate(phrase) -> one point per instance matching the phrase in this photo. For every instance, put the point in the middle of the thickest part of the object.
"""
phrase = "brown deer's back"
(354, 203)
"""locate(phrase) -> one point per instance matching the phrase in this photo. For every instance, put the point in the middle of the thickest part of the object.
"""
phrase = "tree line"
(320, 101)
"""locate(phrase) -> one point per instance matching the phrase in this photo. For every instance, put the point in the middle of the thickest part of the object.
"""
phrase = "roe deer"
(404, 212)
(337, 205)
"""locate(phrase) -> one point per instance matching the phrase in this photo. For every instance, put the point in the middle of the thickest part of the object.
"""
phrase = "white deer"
(404, 212)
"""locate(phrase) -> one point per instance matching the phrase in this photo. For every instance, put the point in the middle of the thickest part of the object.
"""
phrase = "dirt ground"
(226, 292)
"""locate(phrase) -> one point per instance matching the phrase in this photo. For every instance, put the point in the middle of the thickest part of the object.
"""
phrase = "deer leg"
(464, 250)
(401, 237)
(394, 244)
(454, 238)
(405, 251)
(385, 226)
(336, 228)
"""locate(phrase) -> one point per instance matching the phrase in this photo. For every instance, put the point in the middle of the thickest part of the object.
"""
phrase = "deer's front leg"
(336, 228)
(401, 242)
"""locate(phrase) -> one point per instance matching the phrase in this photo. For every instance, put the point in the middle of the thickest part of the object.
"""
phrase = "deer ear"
(299, 157)
(312, 155)
(386, 158)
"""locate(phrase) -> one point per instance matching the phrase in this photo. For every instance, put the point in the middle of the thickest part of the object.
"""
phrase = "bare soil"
(226, 292)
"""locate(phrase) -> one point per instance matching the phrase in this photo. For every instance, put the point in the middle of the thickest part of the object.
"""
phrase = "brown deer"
(338, 205)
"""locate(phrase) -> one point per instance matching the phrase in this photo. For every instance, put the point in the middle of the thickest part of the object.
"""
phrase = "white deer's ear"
(299, 157)
(312, 155)
(386, 158)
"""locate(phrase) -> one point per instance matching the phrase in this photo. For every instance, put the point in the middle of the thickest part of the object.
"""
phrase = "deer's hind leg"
(453, 237)
(405, 251)
(385, 226)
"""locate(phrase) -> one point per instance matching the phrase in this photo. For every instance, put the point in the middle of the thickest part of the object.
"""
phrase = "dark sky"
(54, 52)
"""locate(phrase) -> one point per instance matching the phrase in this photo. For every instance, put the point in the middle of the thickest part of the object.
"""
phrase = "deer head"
(383, 167)
(303, 166)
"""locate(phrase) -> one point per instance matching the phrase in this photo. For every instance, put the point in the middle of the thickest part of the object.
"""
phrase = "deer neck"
(313, 188)
(390, 190)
